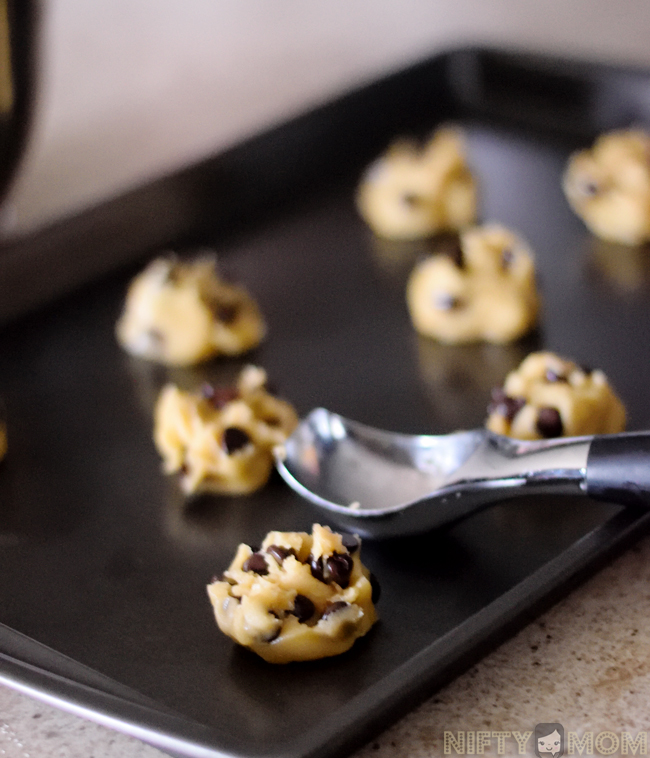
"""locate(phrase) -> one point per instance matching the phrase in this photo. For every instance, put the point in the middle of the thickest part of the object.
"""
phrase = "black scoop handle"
(618, 469)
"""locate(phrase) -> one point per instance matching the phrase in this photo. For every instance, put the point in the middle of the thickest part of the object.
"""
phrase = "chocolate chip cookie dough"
(608, 186)
(182, 313)
(482, 290)
(298, 598)
(549, 396)
(221, 439)
(412, 191)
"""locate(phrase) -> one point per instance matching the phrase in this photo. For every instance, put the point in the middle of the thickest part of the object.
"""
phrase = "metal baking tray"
(103, 608)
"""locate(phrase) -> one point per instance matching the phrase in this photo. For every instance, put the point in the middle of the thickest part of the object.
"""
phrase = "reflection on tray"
(149, 378)
(625, 267)
(458, 379)
(395, 259)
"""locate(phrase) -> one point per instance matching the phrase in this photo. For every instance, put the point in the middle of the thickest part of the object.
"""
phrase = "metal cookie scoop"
(383, 484)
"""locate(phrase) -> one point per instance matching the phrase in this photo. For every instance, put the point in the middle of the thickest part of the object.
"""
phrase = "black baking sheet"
(103, 562)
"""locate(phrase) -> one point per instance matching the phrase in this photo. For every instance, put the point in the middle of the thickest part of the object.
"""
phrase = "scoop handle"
(618, 469)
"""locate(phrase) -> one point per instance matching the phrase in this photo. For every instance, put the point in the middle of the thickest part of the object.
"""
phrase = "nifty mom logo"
(548, 740)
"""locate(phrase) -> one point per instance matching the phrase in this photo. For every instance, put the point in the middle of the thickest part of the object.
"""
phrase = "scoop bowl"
(382, 484)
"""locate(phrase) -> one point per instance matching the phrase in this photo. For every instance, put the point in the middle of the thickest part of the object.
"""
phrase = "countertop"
(131, 89)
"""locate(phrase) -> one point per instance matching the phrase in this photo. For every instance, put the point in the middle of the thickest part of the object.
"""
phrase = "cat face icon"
(549, 740)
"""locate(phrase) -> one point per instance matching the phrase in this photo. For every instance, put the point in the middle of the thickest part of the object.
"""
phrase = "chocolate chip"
(376, 589)
(280, 553)
(173, 272)
(586, 369)
(589, 188)
(219, 396)
(505, 405)
(334, 607)
(256, 563)
(552, 376)
(350, 542)
(156, 338)
(234, 439)
(447, 302)
(316, 568)
(226, 313)
(549, 422)
(410, 199)
(303, 608)
(338, 568)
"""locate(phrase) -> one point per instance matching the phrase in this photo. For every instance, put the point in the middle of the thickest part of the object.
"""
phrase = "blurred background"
(129, 90)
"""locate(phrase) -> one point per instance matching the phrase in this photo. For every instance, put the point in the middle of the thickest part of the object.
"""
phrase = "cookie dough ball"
(412, 191)
(299, 598)
(221, 439)
(182, 313)
(483, 290)
(549, 396)
(609, 186)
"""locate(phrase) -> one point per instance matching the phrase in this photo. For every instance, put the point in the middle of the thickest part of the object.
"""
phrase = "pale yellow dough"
(486, 293)
(608, 186)
(413, 191)
(222, 439)
(285, 613)
(549, 396)
(182, 313)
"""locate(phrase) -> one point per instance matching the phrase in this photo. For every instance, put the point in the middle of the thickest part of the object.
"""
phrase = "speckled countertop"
(131, 89)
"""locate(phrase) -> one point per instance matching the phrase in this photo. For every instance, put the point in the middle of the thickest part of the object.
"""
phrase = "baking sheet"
(104, 563)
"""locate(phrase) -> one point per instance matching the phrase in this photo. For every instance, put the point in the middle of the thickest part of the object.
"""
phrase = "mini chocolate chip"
(226, 313)
(410, 199)
(334, 607)
(303, 608)
(586, 369)
(156, 337)
(447, 302)
(376, 589)
(552, 376)
(338, 568)
(280, 553)
(549, 422)
(589, 188)
(316, 567)
(172, 275)
(234, 439)
(219, 396)
(507, 257)
(505, 405)
(256, 563)
(350, 542)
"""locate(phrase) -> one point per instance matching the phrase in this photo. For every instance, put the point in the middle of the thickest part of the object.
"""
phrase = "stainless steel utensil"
(383, 484)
